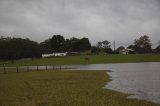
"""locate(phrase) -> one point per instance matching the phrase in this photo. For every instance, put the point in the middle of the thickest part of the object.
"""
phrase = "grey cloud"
(119, 20)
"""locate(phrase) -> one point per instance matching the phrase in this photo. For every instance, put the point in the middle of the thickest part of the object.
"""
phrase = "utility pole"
(114, 45)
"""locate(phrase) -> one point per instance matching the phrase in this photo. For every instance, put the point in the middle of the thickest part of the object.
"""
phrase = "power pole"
(114, 45)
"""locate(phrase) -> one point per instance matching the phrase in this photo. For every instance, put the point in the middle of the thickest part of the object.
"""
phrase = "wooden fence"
(17, 69)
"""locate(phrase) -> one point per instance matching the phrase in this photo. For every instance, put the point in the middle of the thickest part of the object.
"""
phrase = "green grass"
(61, 88)
(93, 59)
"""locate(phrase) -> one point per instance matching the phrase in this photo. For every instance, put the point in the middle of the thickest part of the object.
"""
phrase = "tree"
(131, 47)
(106, 44)
(108, 50)
(120, 48)
(57, 43)
(95, 50)
(46, 46)
(143, 44)
(74, 44)
(157, 50)
(84, 44)
(78, 45)
(99, 44)
(67, 45)
(16, 48)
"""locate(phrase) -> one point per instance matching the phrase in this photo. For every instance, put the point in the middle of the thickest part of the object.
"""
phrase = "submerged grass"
(61, 88)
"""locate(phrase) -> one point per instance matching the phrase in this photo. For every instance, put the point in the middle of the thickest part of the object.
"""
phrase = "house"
(126, 51)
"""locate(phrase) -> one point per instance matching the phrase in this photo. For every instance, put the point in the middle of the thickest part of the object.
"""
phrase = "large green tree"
(84, 44)
(77, 45)
(73, 45)
(57, 43)
(143, 44)
(104, 46)
(46, 46)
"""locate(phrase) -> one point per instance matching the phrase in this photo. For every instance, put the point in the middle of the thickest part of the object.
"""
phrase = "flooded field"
(140, 79)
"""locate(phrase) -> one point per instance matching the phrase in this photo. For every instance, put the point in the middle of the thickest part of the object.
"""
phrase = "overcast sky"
(119, 20)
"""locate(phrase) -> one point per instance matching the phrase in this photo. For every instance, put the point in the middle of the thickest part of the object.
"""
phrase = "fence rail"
(17, 69)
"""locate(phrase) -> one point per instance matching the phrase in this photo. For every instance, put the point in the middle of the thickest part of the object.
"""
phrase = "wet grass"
(61, 88)
(92, 59)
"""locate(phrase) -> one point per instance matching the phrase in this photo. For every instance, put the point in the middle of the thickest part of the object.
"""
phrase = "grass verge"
(61, 88)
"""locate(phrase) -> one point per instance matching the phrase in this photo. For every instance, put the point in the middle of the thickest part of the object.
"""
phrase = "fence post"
(53, 67)
(17, 69)
(60, 67)
(27, 68)
(46, 67)
(37, 67)
(5, 72)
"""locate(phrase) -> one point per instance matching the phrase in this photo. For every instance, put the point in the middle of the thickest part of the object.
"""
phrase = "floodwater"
(142, 80)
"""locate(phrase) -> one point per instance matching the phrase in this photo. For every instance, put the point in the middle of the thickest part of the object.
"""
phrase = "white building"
(126, 51)
(54, 54)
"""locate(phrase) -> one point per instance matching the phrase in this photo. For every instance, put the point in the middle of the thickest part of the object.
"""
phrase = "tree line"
(58, 44)
(17, 48)
(142, 45)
